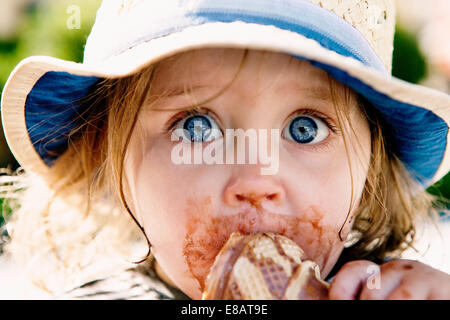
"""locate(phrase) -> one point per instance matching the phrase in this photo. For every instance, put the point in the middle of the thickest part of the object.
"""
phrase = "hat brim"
(42, 93)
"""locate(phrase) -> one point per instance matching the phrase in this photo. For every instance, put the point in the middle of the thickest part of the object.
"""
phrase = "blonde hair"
(74, 224)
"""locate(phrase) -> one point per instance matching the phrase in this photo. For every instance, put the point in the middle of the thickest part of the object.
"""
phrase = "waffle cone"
(263, 266)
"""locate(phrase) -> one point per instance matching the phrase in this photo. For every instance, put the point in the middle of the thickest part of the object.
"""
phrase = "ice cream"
(263, 266)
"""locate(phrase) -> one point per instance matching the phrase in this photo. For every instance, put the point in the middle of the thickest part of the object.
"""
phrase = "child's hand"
(396, 280)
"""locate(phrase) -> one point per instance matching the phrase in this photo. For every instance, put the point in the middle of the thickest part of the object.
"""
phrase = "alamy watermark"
(222, 151)
(74, 19)
(374, 280)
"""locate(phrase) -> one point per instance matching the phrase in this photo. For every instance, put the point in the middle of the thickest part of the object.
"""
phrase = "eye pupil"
(198, 127)
(303, 129)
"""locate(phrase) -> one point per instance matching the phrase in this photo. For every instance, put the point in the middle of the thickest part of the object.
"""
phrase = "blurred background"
(59, 28)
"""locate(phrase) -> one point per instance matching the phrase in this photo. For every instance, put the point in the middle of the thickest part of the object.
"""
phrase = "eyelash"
(186, 114)
(303, 112)
(321, 146)
(318, 115)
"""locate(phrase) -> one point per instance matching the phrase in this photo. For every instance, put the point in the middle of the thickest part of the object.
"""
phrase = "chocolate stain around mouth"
(207, 232)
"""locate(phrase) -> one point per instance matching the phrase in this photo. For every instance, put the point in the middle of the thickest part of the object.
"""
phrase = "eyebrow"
(315, 92)
(173, 93)
(321, 93)
(181, 91)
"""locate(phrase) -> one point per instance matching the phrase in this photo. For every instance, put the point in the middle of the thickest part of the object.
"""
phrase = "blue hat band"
(299, 16)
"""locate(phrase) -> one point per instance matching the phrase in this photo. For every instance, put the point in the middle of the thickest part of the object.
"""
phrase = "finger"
(384, 283)
(410, 290)
(349, 281)
(442, 292)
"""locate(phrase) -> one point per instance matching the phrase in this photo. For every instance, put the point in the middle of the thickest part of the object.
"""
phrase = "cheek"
(158, 190)
(158, 186)
(164, 221)
(321, 186)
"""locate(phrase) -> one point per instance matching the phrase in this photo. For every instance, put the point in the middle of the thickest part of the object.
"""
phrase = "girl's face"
(189, 210)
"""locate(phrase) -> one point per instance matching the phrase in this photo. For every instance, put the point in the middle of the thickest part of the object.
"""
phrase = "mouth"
(206, 234)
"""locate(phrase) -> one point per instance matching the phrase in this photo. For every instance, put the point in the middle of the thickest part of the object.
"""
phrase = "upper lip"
(256, 207)
(260, 220)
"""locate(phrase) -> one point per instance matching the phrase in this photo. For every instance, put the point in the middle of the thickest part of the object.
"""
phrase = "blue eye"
(198, 128)
(306, 130)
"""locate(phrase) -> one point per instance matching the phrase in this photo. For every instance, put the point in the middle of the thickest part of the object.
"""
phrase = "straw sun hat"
(350, 39)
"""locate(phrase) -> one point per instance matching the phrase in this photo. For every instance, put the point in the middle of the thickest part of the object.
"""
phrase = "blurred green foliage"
(441, 189)
(408, 62)
(44, 31)
(5, 213)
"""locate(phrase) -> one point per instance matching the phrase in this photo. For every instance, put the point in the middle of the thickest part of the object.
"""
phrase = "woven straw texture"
(375, 19)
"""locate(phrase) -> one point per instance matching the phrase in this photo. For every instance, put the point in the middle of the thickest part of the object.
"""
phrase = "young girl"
(100, 144)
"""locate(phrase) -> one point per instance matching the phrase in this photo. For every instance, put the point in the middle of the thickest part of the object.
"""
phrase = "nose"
(257, 190)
